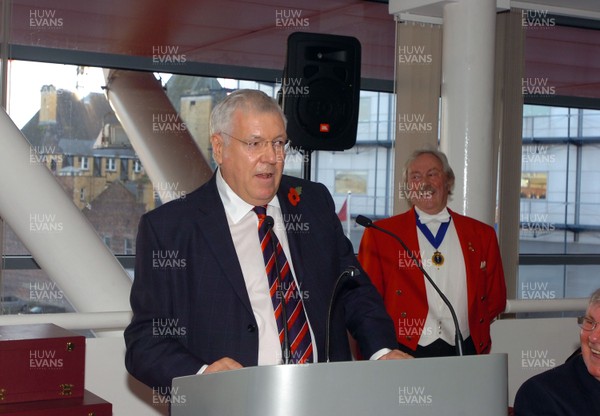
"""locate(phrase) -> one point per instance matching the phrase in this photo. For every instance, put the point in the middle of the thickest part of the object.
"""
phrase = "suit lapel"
(469, 252)
(412, 234)
(212, 220)
(411, 239)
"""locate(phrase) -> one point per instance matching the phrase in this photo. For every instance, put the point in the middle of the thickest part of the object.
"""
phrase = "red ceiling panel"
(248, 34)
(226, 32)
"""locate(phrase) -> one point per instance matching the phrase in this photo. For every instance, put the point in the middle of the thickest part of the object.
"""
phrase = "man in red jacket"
(460, 254)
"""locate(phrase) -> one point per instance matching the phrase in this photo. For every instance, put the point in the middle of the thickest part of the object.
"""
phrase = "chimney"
(48, 105)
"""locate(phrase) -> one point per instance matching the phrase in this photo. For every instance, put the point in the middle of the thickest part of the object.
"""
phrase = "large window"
(71, 128)
(73, 131)
(560, 200)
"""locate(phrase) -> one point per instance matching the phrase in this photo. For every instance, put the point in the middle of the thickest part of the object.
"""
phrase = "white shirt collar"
(442, 216)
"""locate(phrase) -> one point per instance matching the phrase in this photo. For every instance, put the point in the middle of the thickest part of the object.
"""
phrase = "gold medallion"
(437, 258)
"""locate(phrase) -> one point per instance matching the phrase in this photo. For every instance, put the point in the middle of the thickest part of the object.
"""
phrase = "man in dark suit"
(460, 253)
(573, 388)
(202, 300)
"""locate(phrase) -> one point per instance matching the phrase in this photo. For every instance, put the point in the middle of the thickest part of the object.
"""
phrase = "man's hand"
(395, 355)
(223, 364)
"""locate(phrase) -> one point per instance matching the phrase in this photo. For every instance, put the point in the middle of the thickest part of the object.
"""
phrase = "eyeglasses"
(258, 146)
(418, 177)
(586, 323)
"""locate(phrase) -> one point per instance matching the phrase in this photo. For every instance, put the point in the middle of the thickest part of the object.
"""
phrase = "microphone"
(458, 338)
(352, 272)
(286, 350)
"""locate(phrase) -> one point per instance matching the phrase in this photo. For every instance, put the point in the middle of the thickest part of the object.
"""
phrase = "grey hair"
(244, 99)
(440, 156)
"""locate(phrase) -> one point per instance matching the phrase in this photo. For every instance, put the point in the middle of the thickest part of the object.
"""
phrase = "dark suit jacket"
(567, 390)
(402, 284)
(189, 300)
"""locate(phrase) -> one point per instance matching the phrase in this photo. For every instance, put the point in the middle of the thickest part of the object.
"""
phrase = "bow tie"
(441, 217)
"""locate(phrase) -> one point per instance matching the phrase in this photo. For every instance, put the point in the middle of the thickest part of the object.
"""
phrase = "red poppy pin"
(294, 195)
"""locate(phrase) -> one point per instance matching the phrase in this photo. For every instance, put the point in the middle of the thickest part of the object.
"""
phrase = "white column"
(468, 103)
(62, 241)
(161, 140)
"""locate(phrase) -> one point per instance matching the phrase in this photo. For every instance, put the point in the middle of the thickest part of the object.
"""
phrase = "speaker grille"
(321, 90)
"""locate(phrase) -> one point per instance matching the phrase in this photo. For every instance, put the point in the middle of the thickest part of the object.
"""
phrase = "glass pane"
(556, 282)
(581, 281)
(590, 123)
(547, 196)
(69, 125)
(560, 198)
(31, 292)
(541, 282)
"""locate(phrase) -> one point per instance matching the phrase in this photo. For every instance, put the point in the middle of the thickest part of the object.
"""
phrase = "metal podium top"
(449, 386)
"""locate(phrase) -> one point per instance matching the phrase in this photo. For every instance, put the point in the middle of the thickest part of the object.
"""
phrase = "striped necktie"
(298, 333)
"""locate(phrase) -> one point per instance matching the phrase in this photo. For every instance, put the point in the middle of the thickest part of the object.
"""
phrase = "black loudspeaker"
(320, 91)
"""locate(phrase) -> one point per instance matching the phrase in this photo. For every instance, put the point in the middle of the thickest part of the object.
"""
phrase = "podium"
(449, 386)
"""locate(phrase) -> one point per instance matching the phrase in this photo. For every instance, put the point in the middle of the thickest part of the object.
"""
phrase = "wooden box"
(40, 362)
(87, 405)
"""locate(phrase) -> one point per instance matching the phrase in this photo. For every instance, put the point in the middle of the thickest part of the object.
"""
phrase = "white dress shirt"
(243, 225)
(451, 278)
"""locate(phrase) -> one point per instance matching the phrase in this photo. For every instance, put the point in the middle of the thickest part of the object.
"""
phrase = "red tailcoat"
(402, 284)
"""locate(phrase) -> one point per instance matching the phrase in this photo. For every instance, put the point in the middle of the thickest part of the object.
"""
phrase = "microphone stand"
(286, 351)
(352, 272)
(458, 338)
